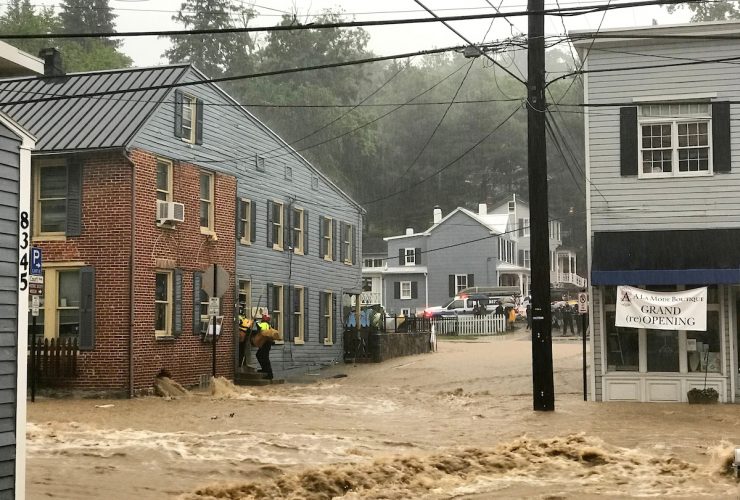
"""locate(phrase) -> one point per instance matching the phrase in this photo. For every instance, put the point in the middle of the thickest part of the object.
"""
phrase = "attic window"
(288, 173)
(188, 118)
(259, 163)
(314, 183)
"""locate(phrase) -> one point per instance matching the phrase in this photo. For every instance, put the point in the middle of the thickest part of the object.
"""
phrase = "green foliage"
(88, 16)
(720, 10)
(20, 17)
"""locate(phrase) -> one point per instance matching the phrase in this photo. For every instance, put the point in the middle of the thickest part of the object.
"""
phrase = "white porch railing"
(370, 298)
(470, 325)
(571, 278)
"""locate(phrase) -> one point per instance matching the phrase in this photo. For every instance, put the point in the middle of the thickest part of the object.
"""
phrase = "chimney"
(53, 64)
(482, 209)
(437, 214)
(409, 231)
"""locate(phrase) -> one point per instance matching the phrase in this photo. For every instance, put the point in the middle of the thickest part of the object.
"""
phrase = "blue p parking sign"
(36, 261)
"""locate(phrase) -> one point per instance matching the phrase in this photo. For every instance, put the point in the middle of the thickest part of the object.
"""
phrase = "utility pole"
(542, 376)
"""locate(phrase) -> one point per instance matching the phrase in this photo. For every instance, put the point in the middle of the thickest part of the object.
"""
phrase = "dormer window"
(188, 117)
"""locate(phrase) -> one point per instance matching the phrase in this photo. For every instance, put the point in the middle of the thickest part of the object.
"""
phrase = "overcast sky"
(145, 15)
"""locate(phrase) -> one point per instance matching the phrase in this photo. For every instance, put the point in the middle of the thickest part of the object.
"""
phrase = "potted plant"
(702, 396)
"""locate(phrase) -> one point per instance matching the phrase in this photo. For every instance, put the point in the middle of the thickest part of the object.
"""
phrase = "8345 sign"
(23, 242)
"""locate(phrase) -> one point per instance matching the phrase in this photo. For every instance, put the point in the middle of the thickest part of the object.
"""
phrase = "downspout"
(131, 264)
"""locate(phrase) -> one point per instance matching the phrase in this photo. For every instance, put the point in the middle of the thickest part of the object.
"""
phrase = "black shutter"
(417, 256)
(342, 238)
(321, 238)
(354, 244)
(520, 258)
(288, 312)
(322, 317)
(414, 290)
(269, 223)
(287, 227)
(721, 136)
(199, 121)
(178, 113)
(401, 256)
(239, 216)
(396, 289)
(74, 197)
(177, 302)
(305, 314)
(197, 277)
(628, 140)
(305, 232)
(334, 317)
(334, 239)
(252, 222)
(471, 280)
(451, 281)
(87, 308)
(270, 293)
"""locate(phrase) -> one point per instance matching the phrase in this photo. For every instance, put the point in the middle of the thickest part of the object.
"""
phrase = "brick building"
(141, 180)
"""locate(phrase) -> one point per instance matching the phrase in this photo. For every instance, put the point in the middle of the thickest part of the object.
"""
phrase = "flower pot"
(702, 396)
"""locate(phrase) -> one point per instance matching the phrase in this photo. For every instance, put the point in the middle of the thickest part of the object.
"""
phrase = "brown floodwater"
(457, 423)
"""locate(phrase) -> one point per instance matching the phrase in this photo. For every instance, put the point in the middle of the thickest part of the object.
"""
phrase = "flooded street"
(453, 424)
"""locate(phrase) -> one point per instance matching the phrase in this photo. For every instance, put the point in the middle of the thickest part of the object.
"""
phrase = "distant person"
(264, 344)
(511, 315)
(568, 319)
(499, 309)
(557, 317)
(245, 325)
(529, 316)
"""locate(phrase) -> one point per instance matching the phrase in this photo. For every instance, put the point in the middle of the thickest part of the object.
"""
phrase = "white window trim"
(208, 230)
(409, 252)
(277, 242)
(349, 234)
(328, 237)
(329, 317)
(300, 336)
(407, 296)
(298, 230)
(189, 101)
(168, 192)
(36, 220)
(246, 222)
(245, 288)
(458, 286)
(50, 328)
(167, 332)
(674, 121)
(278, 315)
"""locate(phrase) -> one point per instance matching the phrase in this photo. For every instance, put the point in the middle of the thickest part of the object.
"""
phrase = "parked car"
(461, 304)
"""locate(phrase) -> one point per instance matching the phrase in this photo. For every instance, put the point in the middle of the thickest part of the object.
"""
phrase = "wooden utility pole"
(542, 376)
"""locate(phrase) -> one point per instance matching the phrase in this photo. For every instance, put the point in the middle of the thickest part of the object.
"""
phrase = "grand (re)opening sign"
(684, 310)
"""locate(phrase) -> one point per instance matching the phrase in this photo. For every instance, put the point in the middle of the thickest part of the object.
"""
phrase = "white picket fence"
(470, 325)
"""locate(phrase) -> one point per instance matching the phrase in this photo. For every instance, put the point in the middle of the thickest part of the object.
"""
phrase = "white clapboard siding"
(471, 325)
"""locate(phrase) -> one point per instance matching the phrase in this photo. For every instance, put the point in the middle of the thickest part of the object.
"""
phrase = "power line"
(567, 11)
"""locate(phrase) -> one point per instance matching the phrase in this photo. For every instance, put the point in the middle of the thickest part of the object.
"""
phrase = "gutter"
(131, 268)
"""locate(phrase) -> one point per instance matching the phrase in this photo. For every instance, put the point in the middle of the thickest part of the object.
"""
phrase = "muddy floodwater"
(457, 423)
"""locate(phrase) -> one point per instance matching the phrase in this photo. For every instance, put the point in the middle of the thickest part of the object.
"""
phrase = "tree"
(21, 18)
(85, 16)
(720, 10)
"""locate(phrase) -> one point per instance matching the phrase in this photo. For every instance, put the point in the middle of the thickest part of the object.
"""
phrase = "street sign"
(35, 261)
(35, 303)
(35, 288)
(37, 279)
(582, 303)
(214, 306)
(222, 281)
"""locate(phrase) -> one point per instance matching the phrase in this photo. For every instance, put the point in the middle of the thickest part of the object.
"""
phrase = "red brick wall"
(105, 244)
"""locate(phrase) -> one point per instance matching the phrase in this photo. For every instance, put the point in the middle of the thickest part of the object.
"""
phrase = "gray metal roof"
(80, 123)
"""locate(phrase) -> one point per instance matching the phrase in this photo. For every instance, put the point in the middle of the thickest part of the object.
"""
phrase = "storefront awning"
(696, 257)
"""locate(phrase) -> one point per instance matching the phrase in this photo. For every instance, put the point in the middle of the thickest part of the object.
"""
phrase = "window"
(188, 117)
(406, 290)
(298, 315)
(526, 261)
(675, 140)
(163, 304)
(461, 282)
(506, 250)
(523, 229)
(277, 225)
(554, 227)
(298, 230)
(245, 298)
(373, 263)
(164, 180)
(51, 200)
(206, 202)
(288, 173)
(259, 163)
(512, 206)
(245, 221)
(348, 243)
(410, 257)
(327, 317)
(275, 307)
(315, 183)
(327, 244)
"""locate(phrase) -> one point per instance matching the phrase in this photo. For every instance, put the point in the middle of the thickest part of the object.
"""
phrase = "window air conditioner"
(169, 212)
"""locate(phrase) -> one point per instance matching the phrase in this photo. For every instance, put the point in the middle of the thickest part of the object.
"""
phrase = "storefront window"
(662, 350)
(702, 348)
(623, 352)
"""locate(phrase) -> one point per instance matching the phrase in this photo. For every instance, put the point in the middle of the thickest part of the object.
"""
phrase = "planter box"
(702, 396)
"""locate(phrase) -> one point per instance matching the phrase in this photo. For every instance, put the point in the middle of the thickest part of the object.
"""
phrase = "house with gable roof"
(144, 177)
(463, 249)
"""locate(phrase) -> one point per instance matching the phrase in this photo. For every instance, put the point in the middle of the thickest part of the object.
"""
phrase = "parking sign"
(35, 261)
(582, 303)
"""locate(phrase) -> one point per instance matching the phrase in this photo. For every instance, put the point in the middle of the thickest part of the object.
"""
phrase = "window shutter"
(288, 312)
(354, 244)
(342, 237)
(87, 308)
(270, 293)
(269, 223)
(178, 113)
(414, 290)
(721, 136)
(252, 222)
(177, 302)
(199, 121)
(239, 217)
(197, 277)
(628, 140)
(471, 280)
(417, 256)
(74, 197)
(334, 239)
(396, 289)
(287, 228)
(401, 256)
(451, 282)
(305, 314)
(321, 238)
(322, 318)
(334, 318)
(305, 232)
(521, 257)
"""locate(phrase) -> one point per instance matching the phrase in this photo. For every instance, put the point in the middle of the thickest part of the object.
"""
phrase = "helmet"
(265, 317)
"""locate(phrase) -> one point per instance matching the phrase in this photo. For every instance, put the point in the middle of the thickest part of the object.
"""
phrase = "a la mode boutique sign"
(685, 310)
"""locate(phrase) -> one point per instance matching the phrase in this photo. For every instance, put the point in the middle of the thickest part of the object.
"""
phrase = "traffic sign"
(214, 306)
(222, 281)
(582, 303)
(35, 261)
(35, 303)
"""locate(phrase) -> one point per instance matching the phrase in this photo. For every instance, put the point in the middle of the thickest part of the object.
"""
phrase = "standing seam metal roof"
(81, 123)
